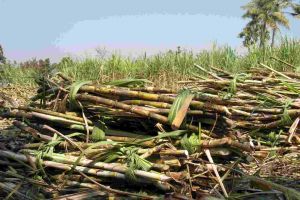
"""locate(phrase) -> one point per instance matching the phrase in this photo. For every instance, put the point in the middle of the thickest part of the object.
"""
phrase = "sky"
(56, 28)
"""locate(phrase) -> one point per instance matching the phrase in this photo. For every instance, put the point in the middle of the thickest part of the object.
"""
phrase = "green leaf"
(129, 82)
(73, 91)
(134, 162)
(190, 144)
(172, 134)
(180, 99)
(286, 119)
(97, 134)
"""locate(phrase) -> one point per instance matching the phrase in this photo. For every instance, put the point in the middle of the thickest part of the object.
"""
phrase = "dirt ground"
(13, 96)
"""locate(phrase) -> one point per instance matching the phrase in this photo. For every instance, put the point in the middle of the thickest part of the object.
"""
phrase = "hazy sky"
(40, 28)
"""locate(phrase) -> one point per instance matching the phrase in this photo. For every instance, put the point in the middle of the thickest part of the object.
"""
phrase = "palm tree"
(277, 18)
(296, 8)
(250, 33)
(265, 15)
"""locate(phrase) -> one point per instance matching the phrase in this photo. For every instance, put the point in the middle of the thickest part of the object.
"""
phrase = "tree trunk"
(263, 35)
(263, 39)
(273, 37)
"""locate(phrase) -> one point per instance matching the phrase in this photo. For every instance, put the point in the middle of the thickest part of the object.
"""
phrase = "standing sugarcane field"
(150, 100)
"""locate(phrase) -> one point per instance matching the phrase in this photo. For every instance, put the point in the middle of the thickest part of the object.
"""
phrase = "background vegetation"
(165, 69)
(265, 18)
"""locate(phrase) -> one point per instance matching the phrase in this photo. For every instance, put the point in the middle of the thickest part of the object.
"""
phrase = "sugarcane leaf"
(286, 119)
(172, 134)
(73, 91)
(232, 89)
(97, 134)
(129, 82)
(290, 87)
(110, 154)
(191, 144)
(75, 134)
(181, 113)
(134, 162)
(182, 97)
(268, 101)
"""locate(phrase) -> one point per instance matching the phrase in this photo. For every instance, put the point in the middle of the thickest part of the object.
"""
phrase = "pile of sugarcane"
(126, 139)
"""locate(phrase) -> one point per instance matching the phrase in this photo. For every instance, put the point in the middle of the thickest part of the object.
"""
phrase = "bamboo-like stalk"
(225, 141)
(214, 167)
(173, 162)
(210, 73)
(92, 171)
(52, 113)
(177, 153)
(33, 132)
(82, 195)
(149, 152)
(67, 167)
(273, 70)
(221, 70)
(155, 90)
(114, 167)
(148, 103)
(134, 109)
(151, 97)
(36, 115)
(55, 119)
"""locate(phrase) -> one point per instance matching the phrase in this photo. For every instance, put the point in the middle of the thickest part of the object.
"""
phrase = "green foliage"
(172, 134)
(98, 134)
(286, 119)
(129, 82)
(296, 8)
(265, 16)
(134, 162)
(177, 104)
(163, 69)
(191, 144)
(2, 57)
(73, 91)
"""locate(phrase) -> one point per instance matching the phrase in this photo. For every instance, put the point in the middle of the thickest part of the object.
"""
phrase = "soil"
(12, 96)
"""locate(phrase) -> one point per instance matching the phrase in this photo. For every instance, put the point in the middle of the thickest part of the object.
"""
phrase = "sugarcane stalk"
(82, 195)
(52, 113)
(149, 96)
(134, 109)
(214, 167)
(147, 103)
(225, 141)
(35, 115)
(149, 152)
(176, 153)
(67, 167)
(114, 167)
(172, 162)
(273, 70)
(221, 70)
(210, 73)
(155, 90)
(33, 132)
(92, 171)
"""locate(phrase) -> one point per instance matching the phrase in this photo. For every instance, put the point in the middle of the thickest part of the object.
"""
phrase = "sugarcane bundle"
(133, 137)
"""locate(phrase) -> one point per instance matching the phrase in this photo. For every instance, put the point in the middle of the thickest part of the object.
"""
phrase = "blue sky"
(36, 28)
